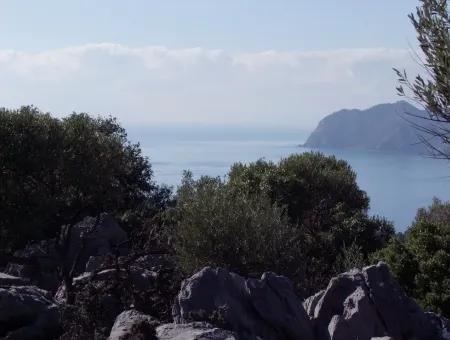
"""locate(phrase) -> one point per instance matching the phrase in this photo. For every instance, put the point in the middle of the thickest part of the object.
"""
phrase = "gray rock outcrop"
(357, 305)
(95, 236)
(365, 304)
(27, 313)
(133, 325)
(214, 303)
(193, 331)
(267, 308)
(9, 280)
(39, 265)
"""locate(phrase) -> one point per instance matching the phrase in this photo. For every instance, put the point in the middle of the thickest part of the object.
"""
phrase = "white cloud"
(155, 83)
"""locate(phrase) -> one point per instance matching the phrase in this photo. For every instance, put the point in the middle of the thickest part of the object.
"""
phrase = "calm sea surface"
(396, 184)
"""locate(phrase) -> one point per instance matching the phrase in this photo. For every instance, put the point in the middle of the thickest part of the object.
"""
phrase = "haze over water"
(397, 184)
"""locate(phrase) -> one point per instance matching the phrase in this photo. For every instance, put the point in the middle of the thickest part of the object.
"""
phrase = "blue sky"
(229, 61)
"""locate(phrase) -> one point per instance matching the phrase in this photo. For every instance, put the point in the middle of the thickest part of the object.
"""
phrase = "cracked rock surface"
(267, 308)
(365, 304)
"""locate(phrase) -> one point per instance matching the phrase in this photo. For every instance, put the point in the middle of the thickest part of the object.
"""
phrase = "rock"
(133, 325)
(344, 310)
(366, 304)
(27, 312)
(193, 331)
(310, 303)
(96, 263)
(80, 281)
(441, 323)
(267, 308)
(95, 236)
(142, 283)
(9, 280)
(401, 315)
(143, 272)
(41, 269)
(103, 275)
(358, 320)
(60, 296)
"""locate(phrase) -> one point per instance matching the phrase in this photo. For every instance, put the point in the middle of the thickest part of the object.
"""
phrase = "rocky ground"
(213, 303)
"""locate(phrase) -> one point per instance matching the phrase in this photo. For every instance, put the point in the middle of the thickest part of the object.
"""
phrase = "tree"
(54, 172)
(421, 262)
(221, 226)
(308, 208)
(318, 190)
(57, 171)
(432, 24)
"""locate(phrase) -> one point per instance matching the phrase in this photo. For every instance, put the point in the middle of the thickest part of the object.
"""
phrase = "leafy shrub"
(56, 171)
(421, 260)
(350, 257)
(222, 227)
(317, 190)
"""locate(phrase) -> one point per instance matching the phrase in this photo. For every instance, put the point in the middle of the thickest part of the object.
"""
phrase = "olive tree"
(221, 226)
(431, 90)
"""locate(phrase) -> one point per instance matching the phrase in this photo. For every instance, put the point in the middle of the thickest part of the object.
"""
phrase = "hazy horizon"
(288, 63)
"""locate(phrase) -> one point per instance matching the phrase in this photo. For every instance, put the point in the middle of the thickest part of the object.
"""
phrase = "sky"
(233, 62)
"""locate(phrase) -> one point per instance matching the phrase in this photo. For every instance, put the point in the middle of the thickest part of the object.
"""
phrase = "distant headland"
(384, 127)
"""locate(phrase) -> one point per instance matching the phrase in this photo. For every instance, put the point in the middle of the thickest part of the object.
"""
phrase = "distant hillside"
(382, 127)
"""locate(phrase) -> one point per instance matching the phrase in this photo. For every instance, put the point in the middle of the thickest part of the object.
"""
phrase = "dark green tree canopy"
(421, 259)
(56, 171)
(317, 190)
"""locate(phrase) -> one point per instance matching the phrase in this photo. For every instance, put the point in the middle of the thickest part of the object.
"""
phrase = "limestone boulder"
(193, 331)
(366, 304)
(133, 325)
(267, 308)
(95, 236)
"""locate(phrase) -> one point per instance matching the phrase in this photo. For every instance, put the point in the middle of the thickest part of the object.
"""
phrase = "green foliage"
(350, 257)
(294, 217)
(56, 171)
(438, 212)
(422, 261)
(432, 24)
(222, 227)
(402, 262)
(325, 205)
(317, 190)
(367, 233)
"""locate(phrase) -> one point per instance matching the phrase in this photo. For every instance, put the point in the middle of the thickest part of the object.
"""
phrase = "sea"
(397, 184)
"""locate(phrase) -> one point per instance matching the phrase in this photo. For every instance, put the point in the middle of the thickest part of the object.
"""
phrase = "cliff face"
(383, 127)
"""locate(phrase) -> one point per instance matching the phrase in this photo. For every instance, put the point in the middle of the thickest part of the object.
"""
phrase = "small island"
(384, 127)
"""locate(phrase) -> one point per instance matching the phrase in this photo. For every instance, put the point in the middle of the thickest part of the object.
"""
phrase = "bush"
(56, 171)
(296, 218)
(317, 190)
(222, 227)
(351, 257)
(421, 261)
